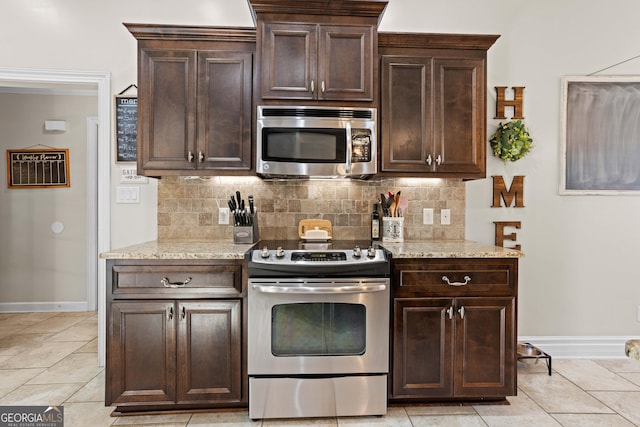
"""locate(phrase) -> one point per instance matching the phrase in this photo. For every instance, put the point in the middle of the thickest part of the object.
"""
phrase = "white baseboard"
(20, 307)
(604, 347)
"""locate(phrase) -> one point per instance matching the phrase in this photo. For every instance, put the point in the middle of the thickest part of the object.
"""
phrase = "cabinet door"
(289, 61)
(345, 63)
(166, 109)
(225, 81)
(422, 348)
(209, 351)
(485, 354)
(406, 114)
(459, 116)
(141, 344)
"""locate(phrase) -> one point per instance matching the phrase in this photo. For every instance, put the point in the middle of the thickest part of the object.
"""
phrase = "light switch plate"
(128, 194)
(427, 216)
(445, 216)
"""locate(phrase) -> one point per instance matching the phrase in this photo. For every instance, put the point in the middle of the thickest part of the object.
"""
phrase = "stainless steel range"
(318, 329)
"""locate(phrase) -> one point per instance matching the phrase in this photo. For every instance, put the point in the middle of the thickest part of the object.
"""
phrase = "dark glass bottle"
(375, 223)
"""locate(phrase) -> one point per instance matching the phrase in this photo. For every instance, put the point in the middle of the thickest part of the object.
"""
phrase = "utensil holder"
(246, 233)
(392, 229)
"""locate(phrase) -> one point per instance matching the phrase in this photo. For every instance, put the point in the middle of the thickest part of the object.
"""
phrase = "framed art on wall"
(601, 135)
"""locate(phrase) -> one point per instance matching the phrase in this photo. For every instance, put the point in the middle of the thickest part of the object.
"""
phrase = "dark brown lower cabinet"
(209, 351)
(440, 352)
(166, 352)
(174, 336)
(453, 347)
(142, 353)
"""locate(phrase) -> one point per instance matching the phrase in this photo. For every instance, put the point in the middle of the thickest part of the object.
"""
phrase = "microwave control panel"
(361, 146)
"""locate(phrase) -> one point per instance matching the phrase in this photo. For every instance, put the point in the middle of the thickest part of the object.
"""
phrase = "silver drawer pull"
(167, 284)
(446, 280)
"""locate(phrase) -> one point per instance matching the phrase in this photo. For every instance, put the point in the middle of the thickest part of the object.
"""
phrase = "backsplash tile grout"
(188, 208)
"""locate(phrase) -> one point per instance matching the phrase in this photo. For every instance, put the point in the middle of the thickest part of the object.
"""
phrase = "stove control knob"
(357, 253)
(279, 252)
(371, 252)
(265, 252)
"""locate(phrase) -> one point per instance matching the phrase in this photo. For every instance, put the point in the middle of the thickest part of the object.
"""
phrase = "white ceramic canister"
(392, 229)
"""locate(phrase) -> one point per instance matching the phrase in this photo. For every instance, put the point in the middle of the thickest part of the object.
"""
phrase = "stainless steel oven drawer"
(317, 397)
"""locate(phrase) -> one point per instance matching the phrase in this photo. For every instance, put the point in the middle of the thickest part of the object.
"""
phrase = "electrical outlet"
(223, 215)
(427, 216)
(639, 313)
(445, 216)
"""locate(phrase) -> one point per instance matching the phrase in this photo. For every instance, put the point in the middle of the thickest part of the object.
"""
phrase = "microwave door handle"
(356, 289)
(347, 168)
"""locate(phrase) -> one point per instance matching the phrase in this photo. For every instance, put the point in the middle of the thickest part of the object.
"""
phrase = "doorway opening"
(99, 129)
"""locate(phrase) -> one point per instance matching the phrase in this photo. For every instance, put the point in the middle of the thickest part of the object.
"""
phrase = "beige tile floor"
(51, 359)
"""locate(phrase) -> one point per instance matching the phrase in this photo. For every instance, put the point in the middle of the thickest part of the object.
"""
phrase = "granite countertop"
(226, 249)
(448, 249)
(221, 249)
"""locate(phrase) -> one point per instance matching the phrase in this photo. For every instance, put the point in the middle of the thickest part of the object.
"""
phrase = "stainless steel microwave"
(316, 142)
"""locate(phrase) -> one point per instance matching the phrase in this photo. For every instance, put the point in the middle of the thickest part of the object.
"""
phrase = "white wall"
(578, 274)
(39, 266)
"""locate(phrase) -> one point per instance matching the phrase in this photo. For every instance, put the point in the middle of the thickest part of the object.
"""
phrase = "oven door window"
(318, 329)
(304, 145)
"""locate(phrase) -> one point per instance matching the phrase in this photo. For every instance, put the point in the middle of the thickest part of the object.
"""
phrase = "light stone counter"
(448, 249)
(180, 250)
(229, 250)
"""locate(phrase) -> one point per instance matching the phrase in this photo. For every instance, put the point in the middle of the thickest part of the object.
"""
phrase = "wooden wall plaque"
(30, 168)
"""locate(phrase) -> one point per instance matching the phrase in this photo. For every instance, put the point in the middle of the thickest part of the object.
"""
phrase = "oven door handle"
(347, 169)
(356, 289)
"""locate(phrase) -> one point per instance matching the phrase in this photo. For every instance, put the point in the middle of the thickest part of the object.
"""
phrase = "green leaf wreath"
(511, 141)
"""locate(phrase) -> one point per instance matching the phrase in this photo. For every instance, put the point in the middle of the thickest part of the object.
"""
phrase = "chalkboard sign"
(601, 134)
(30, 168)
(126, 128)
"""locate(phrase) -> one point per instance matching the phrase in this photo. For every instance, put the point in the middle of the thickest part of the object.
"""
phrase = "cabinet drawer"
(458, 277)
(192, 280)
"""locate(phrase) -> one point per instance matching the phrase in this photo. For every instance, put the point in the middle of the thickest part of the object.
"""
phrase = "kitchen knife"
(383, 205)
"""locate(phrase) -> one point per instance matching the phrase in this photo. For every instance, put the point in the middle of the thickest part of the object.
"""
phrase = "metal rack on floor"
(529, 351)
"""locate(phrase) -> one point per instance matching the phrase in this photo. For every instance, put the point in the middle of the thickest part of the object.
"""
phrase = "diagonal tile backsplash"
(188, 208)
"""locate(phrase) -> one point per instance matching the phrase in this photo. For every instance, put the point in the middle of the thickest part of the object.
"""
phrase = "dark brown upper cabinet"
(195, 94)
(317, 51)
(306, 61)
(433, 104)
